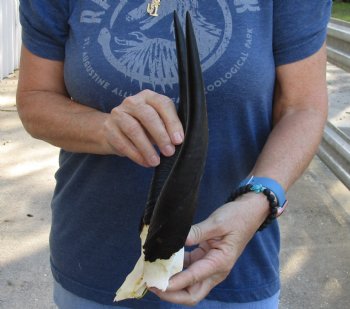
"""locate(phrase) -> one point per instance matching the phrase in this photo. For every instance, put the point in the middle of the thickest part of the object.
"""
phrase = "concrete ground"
(315, 230)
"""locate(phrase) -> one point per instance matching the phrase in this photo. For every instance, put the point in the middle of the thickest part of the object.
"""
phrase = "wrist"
(255, 206)
(270, 190)
(107, 135)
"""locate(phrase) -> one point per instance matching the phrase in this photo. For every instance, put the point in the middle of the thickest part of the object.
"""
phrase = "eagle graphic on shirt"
(147, 52)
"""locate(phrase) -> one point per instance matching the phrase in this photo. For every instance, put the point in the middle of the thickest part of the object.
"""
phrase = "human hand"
(221, 239)
(140, 121)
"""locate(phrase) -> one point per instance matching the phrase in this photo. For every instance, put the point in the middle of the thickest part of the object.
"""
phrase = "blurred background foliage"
(341, 9)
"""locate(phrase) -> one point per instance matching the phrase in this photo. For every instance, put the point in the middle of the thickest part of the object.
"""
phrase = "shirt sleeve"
(45, 27)
(300, 28)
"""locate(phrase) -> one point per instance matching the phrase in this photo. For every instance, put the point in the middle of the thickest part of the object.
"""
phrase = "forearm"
(48, 113)
(291, 146)
(300, 113)
(56, 119)
(131, 129)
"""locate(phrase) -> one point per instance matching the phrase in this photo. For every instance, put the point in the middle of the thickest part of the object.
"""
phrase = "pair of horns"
(173, 194)
(172, 198)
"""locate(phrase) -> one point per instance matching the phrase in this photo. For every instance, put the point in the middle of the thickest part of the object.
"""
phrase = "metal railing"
(10, 37)
(334, 151)
(338, 43)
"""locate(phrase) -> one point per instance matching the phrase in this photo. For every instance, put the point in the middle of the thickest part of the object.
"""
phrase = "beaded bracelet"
(269, 195)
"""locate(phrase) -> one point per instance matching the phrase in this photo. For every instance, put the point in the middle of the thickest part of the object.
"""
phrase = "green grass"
(341, 11)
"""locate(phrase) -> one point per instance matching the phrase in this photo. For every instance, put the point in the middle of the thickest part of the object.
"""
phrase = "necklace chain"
(152, 8)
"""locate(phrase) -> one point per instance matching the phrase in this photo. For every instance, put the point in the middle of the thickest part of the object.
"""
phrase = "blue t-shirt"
(114, 49)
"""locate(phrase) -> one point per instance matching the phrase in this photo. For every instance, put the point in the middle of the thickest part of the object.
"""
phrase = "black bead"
(273, 204)
(267, 192)
(271, 198)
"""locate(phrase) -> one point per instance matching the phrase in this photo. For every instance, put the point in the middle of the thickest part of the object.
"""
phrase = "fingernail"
(154, 160)
(169, 150)
(177, 137)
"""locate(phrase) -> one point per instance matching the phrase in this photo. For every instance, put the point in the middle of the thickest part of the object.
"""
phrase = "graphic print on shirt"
(244, 5)
(142, 47)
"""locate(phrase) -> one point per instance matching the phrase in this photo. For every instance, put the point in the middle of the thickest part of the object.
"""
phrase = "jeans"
(66, 300)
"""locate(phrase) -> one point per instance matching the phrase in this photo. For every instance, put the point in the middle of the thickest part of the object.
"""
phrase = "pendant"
(152, 8)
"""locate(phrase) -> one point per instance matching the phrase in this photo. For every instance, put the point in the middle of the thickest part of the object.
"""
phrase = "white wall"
(10, 37)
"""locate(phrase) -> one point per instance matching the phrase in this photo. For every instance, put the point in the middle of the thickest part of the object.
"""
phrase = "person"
(98, 79)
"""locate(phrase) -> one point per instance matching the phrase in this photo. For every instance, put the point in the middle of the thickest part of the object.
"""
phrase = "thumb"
(205, 230)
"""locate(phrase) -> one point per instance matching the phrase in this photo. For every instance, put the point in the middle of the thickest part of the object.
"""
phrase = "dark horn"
(162, 171)
(175, 198)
